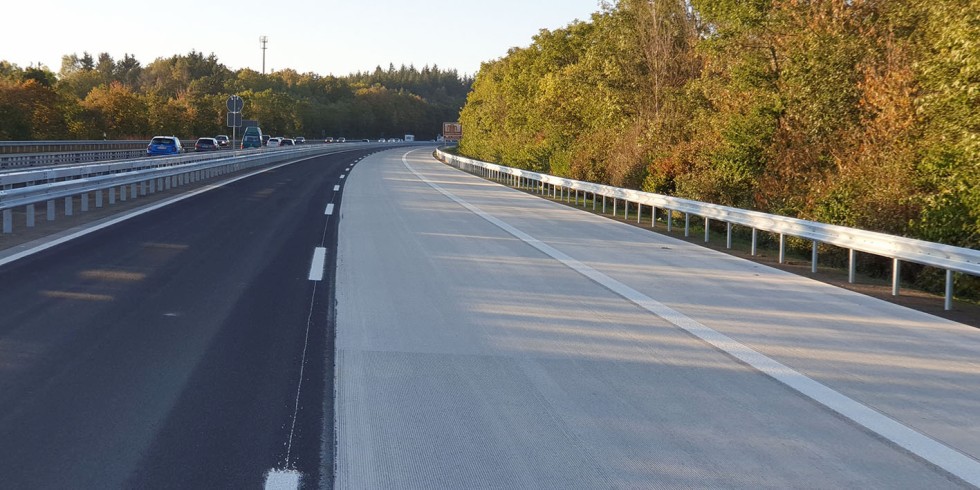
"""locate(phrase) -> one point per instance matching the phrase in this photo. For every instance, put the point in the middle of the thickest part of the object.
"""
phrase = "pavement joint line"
(318, 263)
(952, 461)
(329, 209)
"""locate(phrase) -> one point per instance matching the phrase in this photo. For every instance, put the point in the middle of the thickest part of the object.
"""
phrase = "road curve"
(487, 338)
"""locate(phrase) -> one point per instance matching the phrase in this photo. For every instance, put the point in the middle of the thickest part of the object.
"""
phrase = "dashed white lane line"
(329, 209)
(282, 480)
(336, 188)
(927, 448)
(319, 260)
(342, 176)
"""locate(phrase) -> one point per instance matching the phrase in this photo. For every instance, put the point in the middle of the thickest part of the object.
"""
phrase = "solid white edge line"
(319, 261)
(137, 212)
(929, 449)
(329, 209)
(282, 480)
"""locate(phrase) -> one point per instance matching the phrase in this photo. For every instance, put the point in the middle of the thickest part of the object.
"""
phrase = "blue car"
(164, 145)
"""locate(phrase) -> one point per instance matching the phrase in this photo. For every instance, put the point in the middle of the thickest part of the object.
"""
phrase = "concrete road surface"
(487, 338)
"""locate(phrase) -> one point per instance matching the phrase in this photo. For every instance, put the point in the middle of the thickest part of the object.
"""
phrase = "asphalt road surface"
(184, 348)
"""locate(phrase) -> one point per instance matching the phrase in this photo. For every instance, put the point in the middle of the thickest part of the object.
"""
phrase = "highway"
(487, 338)
(432, 329)
(167, 351)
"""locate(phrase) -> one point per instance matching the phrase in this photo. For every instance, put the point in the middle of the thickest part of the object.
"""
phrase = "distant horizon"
(385, 67)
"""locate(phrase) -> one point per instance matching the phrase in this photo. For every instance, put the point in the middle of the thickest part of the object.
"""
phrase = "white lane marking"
(336, 188)
(329, 209)
(319, 260)
(927, 448)
(282, 480)
(342, 176)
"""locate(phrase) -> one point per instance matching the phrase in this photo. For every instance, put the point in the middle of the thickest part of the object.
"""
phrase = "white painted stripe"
(282, 480)
(342, 176)
(319, 260)
(336, 188)
(329, 210)
(929, 449)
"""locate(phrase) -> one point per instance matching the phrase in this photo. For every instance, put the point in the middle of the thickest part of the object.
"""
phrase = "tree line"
(185, 95)
(862, 113)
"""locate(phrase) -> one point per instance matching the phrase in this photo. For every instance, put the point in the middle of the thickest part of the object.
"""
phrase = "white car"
(273, 142)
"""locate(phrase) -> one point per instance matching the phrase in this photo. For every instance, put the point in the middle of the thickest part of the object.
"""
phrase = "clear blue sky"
(324, 37)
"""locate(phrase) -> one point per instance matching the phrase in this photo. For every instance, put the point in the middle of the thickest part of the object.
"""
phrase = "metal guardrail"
(24, 154)
(140, 177)
(41, 146)
(899, 249)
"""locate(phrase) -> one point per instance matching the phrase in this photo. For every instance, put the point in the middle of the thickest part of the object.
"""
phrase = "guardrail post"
(948, 303)
(639, 213)
(670, 219)
(132, 191)
(782, 248)
(84, 200)
(615, 204)
(69, 206)
(813, 258)
(851, 265)
(98, 198)
(122, 193)
(8, 220)
(707, 229)
(593, 201)
(687, 224)
(626, 210)
(153, 186)
(653, 216)
(50, 210)
(728, 241)
(896, 271)
(112, 196)
(166, 183)
(143, 186)
(603, 204)
(755, 241)
(30, 216)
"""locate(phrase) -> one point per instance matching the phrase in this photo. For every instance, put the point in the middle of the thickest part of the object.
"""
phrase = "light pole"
(263, 40)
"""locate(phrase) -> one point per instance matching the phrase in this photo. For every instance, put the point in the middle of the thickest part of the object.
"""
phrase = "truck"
(409, 137)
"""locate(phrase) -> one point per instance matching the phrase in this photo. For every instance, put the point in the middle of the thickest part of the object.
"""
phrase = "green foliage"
(185, 95)
(855, 112)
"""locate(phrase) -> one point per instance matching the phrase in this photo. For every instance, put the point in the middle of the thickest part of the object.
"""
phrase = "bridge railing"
(899, 249)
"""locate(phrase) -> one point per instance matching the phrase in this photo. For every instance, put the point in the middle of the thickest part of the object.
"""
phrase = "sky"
(324, 37)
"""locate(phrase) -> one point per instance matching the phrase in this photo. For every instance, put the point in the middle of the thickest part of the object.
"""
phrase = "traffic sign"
(235, 103)
(234, 119)
(452, 131)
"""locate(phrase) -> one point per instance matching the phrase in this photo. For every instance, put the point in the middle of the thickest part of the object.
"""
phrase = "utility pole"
(263, 40)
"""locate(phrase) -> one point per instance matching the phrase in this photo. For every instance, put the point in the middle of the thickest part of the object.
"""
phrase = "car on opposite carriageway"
(164, 145)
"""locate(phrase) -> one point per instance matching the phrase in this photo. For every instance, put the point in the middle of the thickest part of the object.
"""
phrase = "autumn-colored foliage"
(856, 112)
(95, 98)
